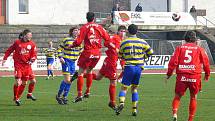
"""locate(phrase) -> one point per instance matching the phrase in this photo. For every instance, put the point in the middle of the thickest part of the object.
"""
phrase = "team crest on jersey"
(29, 47)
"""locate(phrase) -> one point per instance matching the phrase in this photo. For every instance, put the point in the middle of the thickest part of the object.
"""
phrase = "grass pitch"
(155, 100)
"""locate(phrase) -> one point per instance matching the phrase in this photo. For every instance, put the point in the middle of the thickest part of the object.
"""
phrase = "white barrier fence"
(154, 62)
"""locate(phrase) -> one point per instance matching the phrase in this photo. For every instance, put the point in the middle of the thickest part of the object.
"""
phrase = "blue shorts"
(50, 61)
(68, 67)
(131, 75)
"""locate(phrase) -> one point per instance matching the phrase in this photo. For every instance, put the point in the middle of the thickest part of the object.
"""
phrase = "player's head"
(132, 29)
(50, 43)
(121, 31)
(27, 35)
(74, 31)
(190, 37)
(90, 16)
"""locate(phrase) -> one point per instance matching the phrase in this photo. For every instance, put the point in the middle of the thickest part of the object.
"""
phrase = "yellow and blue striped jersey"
(134, 50)
(69, 53)
(50, 52)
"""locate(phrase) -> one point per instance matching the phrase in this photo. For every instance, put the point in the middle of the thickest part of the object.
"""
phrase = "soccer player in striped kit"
(50, 53)
(133, 50)
(67, 57)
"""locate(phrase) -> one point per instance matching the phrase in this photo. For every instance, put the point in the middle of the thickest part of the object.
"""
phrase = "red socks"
(21, 89)
(80, 83)
(89, 82)
(31, 87)
(15, 91)
(112, 93)
(192, 108)
(175, 104)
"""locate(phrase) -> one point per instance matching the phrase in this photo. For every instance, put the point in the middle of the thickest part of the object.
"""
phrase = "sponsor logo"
(184, 79)
(136, 15)
(29, 47)
(187, 67)
(124, 17)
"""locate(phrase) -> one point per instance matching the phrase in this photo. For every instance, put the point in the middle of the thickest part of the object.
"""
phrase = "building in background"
(43, 12)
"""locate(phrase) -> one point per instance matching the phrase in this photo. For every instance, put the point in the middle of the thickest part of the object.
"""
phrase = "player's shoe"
(112, 106)
(74, 76)
(47, 78)
(53, 77)
(18, 102)
(174, 117)
(59, 100)
(65, 101)
(86, 95)
(119, 108)
(134, 111)
(78, 99)
(31, 97)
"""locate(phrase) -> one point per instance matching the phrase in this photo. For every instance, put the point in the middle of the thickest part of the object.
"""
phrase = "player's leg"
(194, 88)
(67, 78)
(51, 68)
(192, 106)
(80, 83)
(22, 87)
(112, 94)
(175, 105)
(48, 68)
(135, 99)
(66, 89)
(180, 89)
(126, 82)
(64, 83)
(31, 87)
(135, 82)
(89, 82)
(16, 86)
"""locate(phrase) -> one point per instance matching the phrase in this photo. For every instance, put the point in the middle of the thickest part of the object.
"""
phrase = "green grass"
(154, 102)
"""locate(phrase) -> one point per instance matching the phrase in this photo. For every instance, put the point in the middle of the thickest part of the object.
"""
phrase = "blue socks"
(48, 71)
(66, 90)
(64, 87)
(134, 97)
(61, 89)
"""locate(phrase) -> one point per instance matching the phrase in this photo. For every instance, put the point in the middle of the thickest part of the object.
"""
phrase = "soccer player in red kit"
(109, 67)
(92, 34)
(24, 54)
(188, 60)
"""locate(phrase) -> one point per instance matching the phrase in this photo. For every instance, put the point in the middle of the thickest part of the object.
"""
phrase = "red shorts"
(23, 72)
(89, 59)
(184, 81)
(109, 69)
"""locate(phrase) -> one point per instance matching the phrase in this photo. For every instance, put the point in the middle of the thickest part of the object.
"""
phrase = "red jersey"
(92, 35)
(111, 52)
(188, 59)
(23, 52)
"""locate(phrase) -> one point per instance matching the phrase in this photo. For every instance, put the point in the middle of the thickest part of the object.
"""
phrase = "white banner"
(153, 62)
(153, 18)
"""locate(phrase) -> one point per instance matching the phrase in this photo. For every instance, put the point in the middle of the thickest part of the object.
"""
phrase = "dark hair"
(20, 35)
(132, 29)
(90, 16)
(26, 31)
(121, 27)
(190, 36)
(71, 30)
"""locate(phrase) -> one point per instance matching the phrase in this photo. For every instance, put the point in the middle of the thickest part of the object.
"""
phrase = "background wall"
(48, 12)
